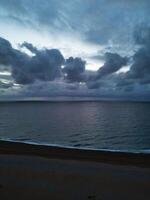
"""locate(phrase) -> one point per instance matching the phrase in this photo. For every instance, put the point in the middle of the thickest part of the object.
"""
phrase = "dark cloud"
(6, 52)
(108, 24)
(30, 47)
(74, 69)
(113, 62)
(140, 69)
(44, 65)
(141, 64)
(101, 79)
(137, 79)
(142, 34)
(93, 84)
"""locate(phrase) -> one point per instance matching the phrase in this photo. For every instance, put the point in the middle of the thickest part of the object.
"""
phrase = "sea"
(117, 126)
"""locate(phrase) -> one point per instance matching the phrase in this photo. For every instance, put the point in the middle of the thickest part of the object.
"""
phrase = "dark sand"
(41, 172)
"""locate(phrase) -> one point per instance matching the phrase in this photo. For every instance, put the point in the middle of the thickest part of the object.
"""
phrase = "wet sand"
(43, 172)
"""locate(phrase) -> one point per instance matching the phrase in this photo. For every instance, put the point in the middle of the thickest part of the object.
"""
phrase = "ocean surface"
(99, 125)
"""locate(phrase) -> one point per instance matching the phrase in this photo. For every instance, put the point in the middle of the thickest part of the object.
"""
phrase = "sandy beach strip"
(43, 172)
(68, 153)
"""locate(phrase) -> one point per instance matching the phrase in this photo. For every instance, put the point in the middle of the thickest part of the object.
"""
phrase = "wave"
(76, 147)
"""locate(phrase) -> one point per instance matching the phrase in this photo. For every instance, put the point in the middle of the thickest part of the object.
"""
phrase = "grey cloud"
(34, 13)
(137, 79)
(100, 78)
(113, 62)
(93, 84)
(5, 85)
(140, 69)
(44, 65)
(110, 24)
(74, 69)
(139, 73)
(141, 64)
(30, 47)
(98, 21)
(73, 86)
(142, 34)
(106, 21)
(98, 56)
(5, 52)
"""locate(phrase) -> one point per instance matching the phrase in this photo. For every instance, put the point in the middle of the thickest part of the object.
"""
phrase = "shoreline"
(139, 159)
(29, 171)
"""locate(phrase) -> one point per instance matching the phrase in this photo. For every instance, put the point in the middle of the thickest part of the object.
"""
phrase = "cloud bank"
(119, 29)
(67, 75)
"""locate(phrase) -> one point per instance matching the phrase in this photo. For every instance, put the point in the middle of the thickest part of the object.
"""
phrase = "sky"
(80, 48)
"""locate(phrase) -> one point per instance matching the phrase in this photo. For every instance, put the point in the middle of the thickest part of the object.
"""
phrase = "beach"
(29, 171)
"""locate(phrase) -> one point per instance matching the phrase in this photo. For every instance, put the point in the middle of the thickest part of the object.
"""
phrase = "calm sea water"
(102, 125)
